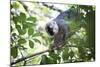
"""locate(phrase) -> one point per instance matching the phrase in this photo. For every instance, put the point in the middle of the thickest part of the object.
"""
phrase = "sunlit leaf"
(45, 10)
(15, 5)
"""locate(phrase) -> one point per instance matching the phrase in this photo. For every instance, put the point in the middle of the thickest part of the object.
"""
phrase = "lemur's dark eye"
(50, 31)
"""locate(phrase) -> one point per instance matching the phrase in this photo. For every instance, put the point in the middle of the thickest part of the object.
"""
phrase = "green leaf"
(25, 25)
(30, 25)
(23, 32)
(65, 54)
(43, 60)
(22, 41)
(16, 19)
(22, 17)
(18, 28)
(53, 55)
(31, 44)
(33, 19)
(47, 60)
(36, 40)
(82, 52)
(71, 54)
(14, 52)
(30, 31)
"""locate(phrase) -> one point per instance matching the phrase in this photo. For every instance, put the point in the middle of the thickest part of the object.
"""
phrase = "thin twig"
(22, 57)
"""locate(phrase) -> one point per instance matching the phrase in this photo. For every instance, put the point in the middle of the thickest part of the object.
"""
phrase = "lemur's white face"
(55, 27)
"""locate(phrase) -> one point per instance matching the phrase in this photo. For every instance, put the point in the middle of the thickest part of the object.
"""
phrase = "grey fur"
(63, 28)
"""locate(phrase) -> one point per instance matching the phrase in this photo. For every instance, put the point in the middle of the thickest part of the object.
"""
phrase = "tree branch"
(52, 7)
(21, 59)
(48, 50)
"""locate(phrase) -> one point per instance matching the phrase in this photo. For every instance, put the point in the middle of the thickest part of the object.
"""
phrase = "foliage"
(26, 39)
